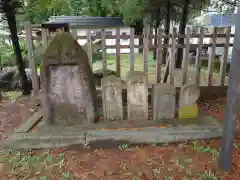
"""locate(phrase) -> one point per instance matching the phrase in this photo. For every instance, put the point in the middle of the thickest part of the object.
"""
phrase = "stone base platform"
(35, 134)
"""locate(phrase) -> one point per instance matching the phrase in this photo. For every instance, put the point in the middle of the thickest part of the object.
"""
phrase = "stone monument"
(188, 107)
(112, 98)
(137, 95)
(164, 101)
(68, 88)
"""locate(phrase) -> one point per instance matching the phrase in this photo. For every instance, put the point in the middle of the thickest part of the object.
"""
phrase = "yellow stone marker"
(188, 112)
(188, 108)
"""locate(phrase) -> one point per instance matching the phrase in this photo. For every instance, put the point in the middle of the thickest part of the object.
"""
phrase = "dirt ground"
(186, 160)
(14, 111)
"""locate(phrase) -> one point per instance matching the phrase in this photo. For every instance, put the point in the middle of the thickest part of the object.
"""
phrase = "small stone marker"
(164, 101)
(178, 77)
(189, 95)
(137, 95)
(192, 76)
(68, 88)
(112, 98)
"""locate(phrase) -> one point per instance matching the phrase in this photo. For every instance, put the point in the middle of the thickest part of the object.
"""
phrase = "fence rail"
(122, 36)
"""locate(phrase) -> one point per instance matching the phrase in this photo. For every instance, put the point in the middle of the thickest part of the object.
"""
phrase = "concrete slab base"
(137, 132)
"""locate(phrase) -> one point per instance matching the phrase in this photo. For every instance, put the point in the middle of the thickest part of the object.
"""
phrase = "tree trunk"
(156, 33)
(1, 97)
(141, 44)
(1, 66)
(150, 33)
(139, 31)
(167, 28)
(155, 44)
(182, 27)
(10, 15)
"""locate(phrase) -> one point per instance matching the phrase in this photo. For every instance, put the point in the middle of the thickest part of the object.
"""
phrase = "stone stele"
(112, 98)
(164, 101)
(68, 88)
(189, 95)
(137, 95)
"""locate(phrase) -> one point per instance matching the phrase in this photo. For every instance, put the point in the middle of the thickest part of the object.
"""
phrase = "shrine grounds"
(185, 160)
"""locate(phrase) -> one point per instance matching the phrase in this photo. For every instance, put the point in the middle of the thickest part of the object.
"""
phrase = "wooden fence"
(172, 47)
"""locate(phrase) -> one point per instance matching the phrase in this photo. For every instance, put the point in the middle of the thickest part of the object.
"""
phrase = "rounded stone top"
(165, 88)
(189, 94)
(137, 76)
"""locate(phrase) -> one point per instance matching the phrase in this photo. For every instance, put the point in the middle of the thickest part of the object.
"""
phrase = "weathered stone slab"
(142, 135)
(155, 135)
(30, 123)
(68, 88)
(137, 95)
(112, 98)
(164, 101)
(189, 95)
(44, 140)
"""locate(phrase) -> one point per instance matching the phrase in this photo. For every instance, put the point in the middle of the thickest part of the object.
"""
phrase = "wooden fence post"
(132, 49)
(118, 52)
(89, 47)
(225, 57)
(145, 48)
(186, 55)
(45, 35)
(233, 102)
(198, 56)
(172, 59)
(31, 59)
(104, 56)
(159, 57)
(212, 57)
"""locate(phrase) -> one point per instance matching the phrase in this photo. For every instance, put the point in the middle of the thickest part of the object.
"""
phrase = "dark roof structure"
(87, 21)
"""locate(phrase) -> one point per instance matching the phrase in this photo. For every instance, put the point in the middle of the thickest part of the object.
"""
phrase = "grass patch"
(20, 165)
(38, 69)
(12, 95)
(125, 65)
(216, 65)
(198, 147)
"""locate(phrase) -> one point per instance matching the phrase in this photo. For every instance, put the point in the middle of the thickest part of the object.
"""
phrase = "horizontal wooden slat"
(135, 36)
(166, 46)
(155, 36)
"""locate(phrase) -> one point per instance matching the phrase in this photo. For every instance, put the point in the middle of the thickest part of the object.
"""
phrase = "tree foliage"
(224, 6)
(37, 11)
(131, 10)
